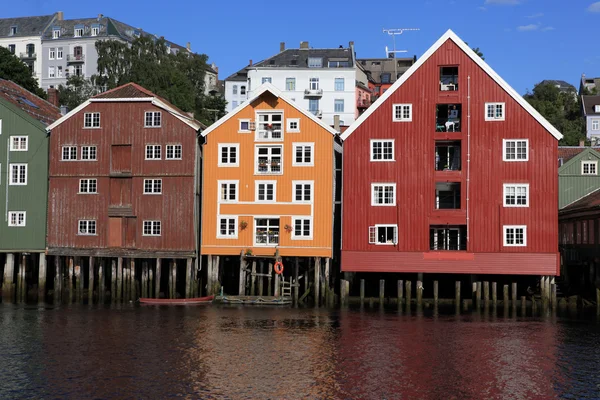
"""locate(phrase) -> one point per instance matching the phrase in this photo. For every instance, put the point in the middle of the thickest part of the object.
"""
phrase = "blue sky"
(525, 41)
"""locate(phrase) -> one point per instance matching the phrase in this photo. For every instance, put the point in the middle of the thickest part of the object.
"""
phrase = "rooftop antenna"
(393, 32)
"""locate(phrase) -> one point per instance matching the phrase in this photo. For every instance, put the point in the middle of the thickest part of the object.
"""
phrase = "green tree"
(477, 51)
(13, 69)
(561, 109)
(77, 90)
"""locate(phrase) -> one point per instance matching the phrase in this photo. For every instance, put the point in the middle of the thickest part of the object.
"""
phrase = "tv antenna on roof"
(393, 32)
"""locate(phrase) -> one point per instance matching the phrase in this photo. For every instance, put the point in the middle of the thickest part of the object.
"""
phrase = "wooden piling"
(253, 279)
(514, 294)
(494, 294)
(419, 293)
(408, 290)
(269, 279)
(486, 294)
(435, 293)
(119, 296)
(553, 302)
(296, 283)
(326, 283)
(216, 273)
(317, 283)
(188, 278)
(362, 292)
(21, 285)
(57, 280)
(473, 294)
(113, 281)
(151, 282)
(261, 270)
(91, 281)
(478, 295)
(7, 283)
(598, 301)
(101, 282)
(400, 284)
(276, 290)
(344, 288)
(145, 279)
(381, 291)
(523, 305)
(174, 280)
(42, 278)
(242, 283)
(70, 283)
(505, 292)
(126, 283)
(457, 294)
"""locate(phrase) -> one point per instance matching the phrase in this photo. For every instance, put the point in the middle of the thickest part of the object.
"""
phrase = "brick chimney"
(304, 45)
(188, 46)
(581, 142)
(281, 47)
(60, 16)
(250, 62)
(336, 123)
(53, 97)
(351, 44)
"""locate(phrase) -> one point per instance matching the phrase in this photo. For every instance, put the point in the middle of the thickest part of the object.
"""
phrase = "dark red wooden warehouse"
(450, 171)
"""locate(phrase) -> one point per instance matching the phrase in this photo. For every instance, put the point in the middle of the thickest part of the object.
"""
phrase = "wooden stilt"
(381, 291)
(305, 277)
(242, 285)
(42, 278)
(362, 292)
(419, 294)
(514, 294)
(486, 294)
(327, 283)
(70, 283)
(408, 290)
(57, 279)
(126, 283)
(296, 282)
(216, 273)
(22, 286)
(344, 284)
(188, 278)
(253, 279)
(7, 283)
(457, 294)
(400, 291)
(597, 301)
(174, 267)
(435, 293)
(553, 295)
(209, 275)
(478, 295)
(113, 281)
(505, 293)
(144, 279)
(269, 279)
(523, 305)
(170, 284)
(101, 278)
(474, 294)
(78, 280)
(119, 296)
(317, 283)
(494, 294)
(157, 279)
(91, 281)
(151, 282)
(134, 286)
(261, 270)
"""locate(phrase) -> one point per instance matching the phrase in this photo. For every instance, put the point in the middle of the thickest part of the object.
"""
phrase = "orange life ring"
(278, 268)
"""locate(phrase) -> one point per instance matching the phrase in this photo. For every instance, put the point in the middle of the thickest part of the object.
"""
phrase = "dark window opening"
(448, 237)
(447, 156)
(448, 78)
(447, 196)
(385, 78)
(448, 118)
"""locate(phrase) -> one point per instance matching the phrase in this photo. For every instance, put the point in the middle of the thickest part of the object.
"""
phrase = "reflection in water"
(230, 352)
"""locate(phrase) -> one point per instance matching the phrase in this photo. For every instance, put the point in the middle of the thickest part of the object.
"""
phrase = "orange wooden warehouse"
(268, 185)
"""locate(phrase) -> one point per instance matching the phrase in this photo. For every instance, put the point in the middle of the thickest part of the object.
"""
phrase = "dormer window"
(315, 62)
(95, 30)
(78, 31)
(13, 30)
(597, 108)
(55, 33)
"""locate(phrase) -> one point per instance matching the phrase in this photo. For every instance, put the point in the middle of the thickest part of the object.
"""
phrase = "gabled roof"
(298, 58)
(578, 153)
(561, 85)
(37, 108)
(589, 103)
(26, 26)
(267, 87)
(450, 35)
(569, 152)
(131, 92)
(587, 202)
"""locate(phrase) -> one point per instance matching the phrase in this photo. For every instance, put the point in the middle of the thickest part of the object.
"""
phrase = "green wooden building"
(578, 173)
(23, 182)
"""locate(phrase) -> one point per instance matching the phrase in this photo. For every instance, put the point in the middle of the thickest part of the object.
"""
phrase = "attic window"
(294, 62)
(315, 62)
(95, 30)
(13, 30)
(55, 33)
(78, 31)
(597, 108)
(271, 62)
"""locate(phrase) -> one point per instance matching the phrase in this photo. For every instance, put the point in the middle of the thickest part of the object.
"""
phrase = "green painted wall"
(572, 186)
(31, 198)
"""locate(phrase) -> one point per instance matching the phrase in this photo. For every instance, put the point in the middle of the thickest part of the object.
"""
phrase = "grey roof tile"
(26, 26)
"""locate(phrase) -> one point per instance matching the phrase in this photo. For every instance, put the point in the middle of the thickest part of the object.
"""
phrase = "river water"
(214, 352)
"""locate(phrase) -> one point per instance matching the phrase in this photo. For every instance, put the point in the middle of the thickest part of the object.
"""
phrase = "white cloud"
(509, 2)
(527, 28)
(594, 7)
(481, 8)
(537, 15)
(548, 28)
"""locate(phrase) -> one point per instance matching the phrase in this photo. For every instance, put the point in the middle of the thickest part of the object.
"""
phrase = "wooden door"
(130, 232)
(115, 232)
(120, 159)
(120, 191)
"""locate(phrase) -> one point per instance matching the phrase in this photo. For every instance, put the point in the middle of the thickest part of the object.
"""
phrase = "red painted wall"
(414, 173)
(123, 124)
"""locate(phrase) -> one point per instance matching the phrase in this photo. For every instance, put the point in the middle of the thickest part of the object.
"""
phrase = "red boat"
(177, 302)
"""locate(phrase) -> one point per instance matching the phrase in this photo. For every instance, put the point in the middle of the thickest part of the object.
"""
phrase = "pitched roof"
(561, 85)
(133, 92)
(267, 87)
(241, 75)
(450, 35)
(569, 152)
(588, 103)
(26, 26)
(37, 108)
(298, 58)
(590, 201)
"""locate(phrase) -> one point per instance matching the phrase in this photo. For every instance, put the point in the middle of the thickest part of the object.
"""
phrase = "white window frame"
(595, 124)
(51, 72)
(373, 231)
(59, 53)
(92, 120)
(264, 182)
(55, 33)
(589, 163)
(504, 143)
(402, 118)
(289, 122)
(302, 237)
(505, 229)
(258, 122)
(269, 171)
(16, 215)
(62, 156)
(315, 62)
(236, 183)
(383, 185)
(10, 171)
(20, 143)
(336, 103)
(495, 105)
(293, 84)
(237, 155)
(335, 82)
(87, 183)
(228, 217)
(173, 147)
(154, 116)
(95, 30)
(266, 79)
(313, 83)
(77, 32)
(240, 130)
(153, 184)
(515, 186)
(302, 163)
(88, 224)
(392, 141)
(152, 224)
(89, 151)
(52, 53)
(303, 183)
(279, 227)
(154, 147)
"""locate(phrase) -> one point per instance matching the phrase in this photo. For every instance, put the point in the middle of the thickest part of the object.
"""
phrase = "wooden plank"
(91, 280)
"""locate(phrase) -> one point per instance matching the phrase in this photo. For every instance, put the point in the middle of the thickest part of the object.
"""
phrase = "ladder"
(286, 287)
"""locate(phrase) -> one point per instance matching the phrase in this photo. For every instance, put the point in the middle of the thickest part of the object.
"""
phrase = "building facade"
(452, 175)
(591, 113)
(577, 173)
(383, 72)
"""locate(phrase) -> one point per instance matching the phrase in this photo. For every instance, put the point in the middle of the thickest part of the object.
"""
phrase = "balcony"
(448, 118)
(448, 237)
(363, 103)
(28, 56)
(75, 58)
(447, 196)
(313, 92)
(447, 156)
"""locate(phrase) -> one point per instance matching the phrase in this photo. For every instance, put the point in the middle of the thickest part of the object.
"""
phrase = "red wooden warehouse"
(124, 177)
(450, 171)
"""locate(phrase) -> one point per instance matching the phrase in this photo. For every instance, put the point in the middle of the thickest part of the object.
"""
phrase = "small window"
(315, 62)
(51, 72)
(152, 186)
(448, 78)
(290, 84)
(589, 168)
(13, 30)
(313, 83)
(515, 150)
(270, 126)
(402, 112)
(242, 89)
(266, 79)
(303, 154)
(229, 155)
(383, 194)
(91, 120)
(95, 30)
(12, 48)
(383, 234)
(293, 125)
(88, 186)
(88, 153)
(244, 126)
(17, 218)
(596, 124)
(59, 53)
(153, 152)
(152, 119)
(234, 105)
(339, 84)
(227, 228)
(18, 174)
(382, 150)
(228, 191)
(52, 53)
(516, 195)
(55, 33)
(87, 227)
(78, 32)
(69, 153)
(266, 191)
(494, 111)
(173, 152)
(302, 191)
(386, 77)
(18, 143)
(235, 90)
(59, 71)
(301, 228)
(338, 105)
(515, 235)
(151, 228)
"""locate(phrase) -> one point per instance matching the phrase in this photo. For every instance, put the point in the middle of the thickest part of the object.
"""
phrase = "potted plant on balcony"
(243, 225)
(288, 228)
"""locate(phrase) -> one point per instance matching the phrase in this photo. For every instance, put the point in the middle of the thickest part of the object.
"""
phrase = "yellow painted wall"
(246, 208)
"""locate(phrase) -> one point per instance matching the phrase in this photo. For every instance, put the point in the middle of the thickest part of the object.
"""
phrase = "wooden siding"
(121, 142)
(572, 184)
(413, 171)
(246, 208)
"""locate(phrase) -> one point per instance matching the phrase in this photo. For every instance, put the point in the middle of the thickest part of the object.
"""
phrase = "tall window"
(302, 228)
(596, 124)
(516, 195)
(313, 83)
(152, 119)
(69, 153)
(290, 84)
(382, 150)
(59, 53)
(17, 218)
(59, 71)
(95, 30)
(269, 160)
(227, 228)
(173, 152)
(402, 112)
(52, 53)
(494, 112)
(589, 168)
(315, 62)
(88, 186)
(51, 72)
(152, 186)
(228, 191)
(383, 194)
(516, 150)
(18, 174)
(242, 90)
(18, 143)
(55, 33)
(91, 120)
(386, 77)
(228, 154)
(235, 89)
(383, 234)
(87, 227)
(303, 154)
(270, 126)
(151, 228)
(153, 152)
(266, 191)
(88, 153)
(515, 235)
(313, 106)
(78, 32)
(339, 84)
(338, 105)
(303, 191)
(266, 231)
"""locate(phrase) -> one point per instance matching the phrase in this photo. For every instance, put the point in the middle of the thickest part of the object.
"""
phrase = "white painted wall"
(234, 100)
(21, 43)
